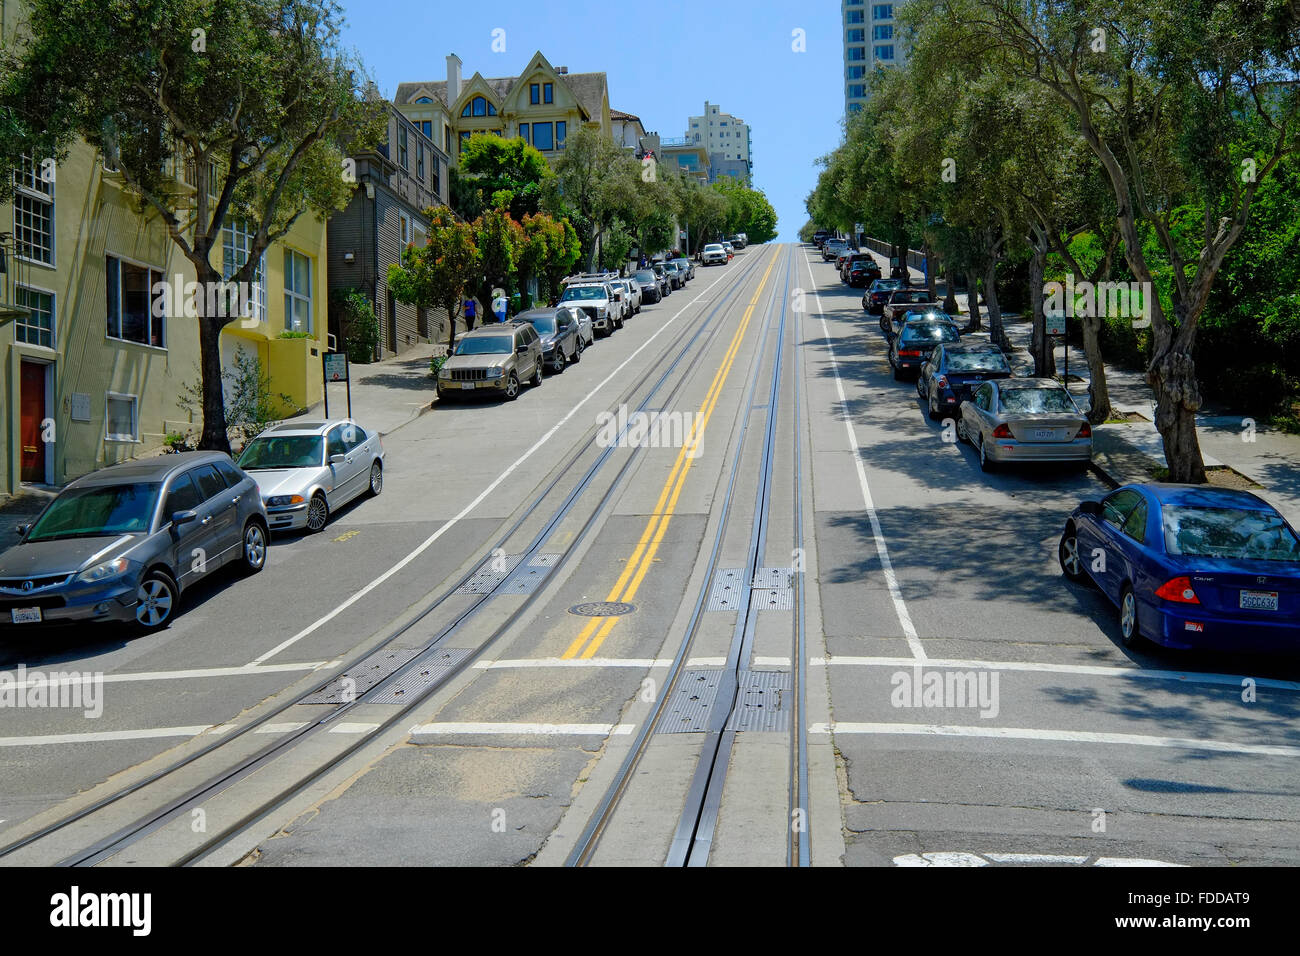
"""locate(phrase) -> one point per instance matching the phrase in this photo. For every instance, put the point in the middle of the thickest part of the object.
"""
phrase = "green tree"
(504, 169)
(596, 179)
(498, 238)
(439, 273)
(260, 106)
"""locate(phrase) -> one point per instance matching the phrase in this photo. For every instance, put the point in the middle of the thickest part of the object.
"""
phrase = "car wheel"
(537, 373)
(318, 513)
(986, 463)
(578, 346)
(1130, 632)
(512, 387)
(898, 372)
(920, 390)
(962, 434)
(376, 479)
(157, 597)
(559, 360)
(254, 550)
(934, 409)
(1067, 552)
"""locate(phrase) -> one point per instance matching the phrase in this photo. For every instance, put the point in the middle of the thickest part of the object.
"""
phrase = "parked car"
(743, 238)
(736, 241)
(632, 289)
(306, 471)
(677, 278)
(730, 250)
(926, 311)
(900, 301)
(911, 348)
(597, 299)
(494, 360)
(651, 288)
(831, 249)
(665, 283)
(1190, 566)
(125, 542)
(953, 372)
(561, 336)
(877, 294)
(714, 255)
(1025, 419)
(686, 264)
(861, 272)
(856, 257)
(820, 236)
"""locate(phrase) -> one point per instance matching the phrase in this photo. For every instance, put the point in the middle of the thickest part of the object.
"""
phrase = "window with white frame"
(130, 306)
(33, 213)
(405, 222)
(121, 417)
(402, 147)
(236, 241)
(297, 290)
(37, 327)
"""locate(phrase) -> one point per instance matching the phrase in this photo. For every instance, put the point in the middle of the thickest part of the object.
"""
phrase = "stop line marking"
(967, 858)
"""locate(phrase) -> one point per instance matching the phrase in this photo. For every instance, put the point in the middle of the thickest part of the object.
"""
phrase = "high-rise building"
(871, 42)
(721, 133)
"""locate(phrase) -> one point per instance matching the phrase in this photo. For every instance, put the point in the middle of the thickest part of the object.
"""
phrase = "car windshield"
(886, 285)
(977, 362)
(713, 248)
(645, 275)
(581, 292)
(284, 451)
(1036, 401)
(680, 262)
(1228, 533)
(930, 332)
(485, 345)
(543, 324)
(97, 511)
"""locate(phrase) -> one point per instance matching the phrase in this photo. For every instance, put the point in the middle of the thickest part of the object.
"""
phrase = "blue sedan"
(1190, 566)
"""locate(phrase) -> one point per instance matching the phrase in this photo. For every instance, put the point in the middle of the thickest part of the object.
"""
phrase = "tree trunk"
(1098, 393)
(1044, 354)
(972, 303)
(451, 308)
(1172, 377)
(949, 292)
(929, 271)
(997, 335)
(214, 394)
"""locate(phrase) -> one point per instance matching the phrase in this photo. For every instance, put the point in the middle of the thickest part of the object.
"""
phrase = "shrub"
(250, 404)
(358, 325)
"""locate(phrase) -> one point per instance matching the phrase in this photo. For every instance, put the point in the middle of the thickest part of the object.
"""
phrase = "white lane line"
(280, 728)
(584, 730)
(104, 736)
(496, 482)
(1035, 858)
(891, 580)
(639, 662)
(1090, 670)
(1063, 736)
(56, 678)
(1130, 861)
(353, 728)
(948, 858)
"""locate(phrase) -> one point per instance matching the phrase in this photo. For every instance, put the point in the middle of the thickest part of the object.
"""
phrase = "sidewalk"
(388, 394)
(1268, 461)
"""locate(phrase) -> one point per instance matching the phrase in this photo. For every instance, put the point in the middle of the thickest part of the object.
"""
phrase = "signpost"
(1054, 326)
(335, 369)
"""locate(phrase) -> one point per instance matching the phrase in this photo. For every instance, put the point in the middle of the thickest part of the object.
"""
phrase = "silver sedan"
(1025, 419)
(305, 471)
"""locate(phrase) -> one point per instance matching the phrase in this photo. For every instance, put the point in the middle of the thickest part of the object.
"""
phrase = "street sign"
(336, 367)
(1055, 323)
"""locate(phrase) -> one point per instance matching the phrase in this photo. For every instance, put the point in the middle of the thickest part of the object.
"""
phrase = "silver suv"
(598, 300)
(493, 359)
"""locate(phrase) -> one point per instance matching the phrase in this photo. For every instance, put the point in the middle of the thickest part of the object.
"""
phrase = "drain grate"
(422, 675)
(602, 609)
(504, 573)
(352, 683)
(761, 705)
(771, 587)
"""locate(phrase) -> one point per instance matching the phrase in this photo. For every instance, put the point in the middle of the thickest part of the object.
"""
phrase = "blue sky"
(662, 59)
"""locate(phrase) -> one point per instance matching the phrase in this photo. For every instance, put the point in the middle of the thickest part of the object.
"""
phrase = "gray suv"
(123, 543)
(494, 360)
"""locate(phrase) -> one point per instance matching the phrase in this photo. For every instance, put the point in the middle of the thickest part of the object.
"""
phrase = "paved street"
(530, 729)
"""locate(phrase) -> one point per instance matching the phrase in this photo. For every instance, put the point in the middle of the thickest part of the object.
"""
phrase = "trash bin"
(516, 303)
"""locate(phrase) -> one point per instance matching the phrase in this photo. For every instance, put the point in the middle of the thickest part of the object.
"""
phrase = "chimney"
(562, 70)
(453, 78)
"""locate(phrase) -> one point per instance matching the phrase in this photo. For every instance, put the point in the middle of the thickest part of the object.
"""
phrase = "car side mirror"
(521, 349)
(338, 459)
(1091, 508)
(22, 529)
(184, 517)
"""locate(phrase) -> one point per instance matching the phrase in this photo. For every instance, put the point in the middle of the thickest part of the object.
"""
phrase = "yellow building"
(543, 104)
(89, 375)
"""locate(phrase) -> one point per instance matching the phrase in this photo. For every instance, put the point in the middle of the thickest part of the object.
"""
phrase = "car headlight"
(495, 372)
(444, 373)
(279, 501)
(113, 568)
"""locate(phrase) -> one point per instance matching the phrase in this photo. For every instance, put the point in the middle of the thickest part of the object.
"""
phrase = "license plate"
(1044, 434)
(1259, 600)
(467, 385)
(25, 615)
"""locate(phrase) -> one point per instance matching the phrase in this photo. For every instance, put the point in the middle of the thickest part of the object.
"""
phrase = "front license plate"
(469, 385)
(25, 615)
(1259, 600)
(1044, 434)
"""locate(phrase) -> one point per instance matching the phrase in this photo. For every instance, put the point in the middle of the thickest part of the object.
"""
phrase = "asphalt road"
(919, 569)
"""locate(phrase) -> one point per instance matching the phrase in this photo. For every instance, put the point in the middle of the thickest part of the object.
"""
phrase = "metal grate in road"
(502, 567)
(772, 587)
(424, 673)
(762, 705)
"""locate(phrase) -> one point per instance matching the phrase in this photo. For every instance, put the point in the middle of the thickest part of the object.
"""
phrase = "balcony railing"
(14, 272)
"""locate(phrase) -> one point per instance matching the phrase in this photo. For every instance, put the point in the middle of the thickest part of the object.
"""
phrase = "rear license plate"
(466, 384)
(1259, 600)
(25, 615)
(1044, 434)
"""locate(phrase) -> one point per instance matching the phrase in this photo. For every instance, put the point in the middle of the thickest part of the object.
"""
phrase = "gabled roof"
(589, 89)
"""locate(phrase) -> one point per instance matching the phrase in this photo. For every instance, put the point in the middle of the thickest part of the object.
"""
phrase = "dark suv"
(493, 359)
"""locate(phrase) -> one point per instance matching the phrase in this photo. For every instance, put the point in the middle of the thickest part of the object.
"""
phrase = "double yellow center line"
(643, 555)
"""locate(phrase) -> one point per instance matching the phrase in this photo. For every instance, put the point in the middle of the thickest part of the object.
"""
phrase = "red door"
(33, 413)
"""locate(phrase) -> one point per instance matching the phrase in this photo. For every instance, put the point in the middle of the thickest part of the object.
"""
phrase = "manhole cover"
(602, 609)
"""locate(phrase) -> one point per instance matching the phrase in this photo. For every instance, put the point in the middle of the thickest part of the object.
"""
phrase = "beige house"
(543, 104)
